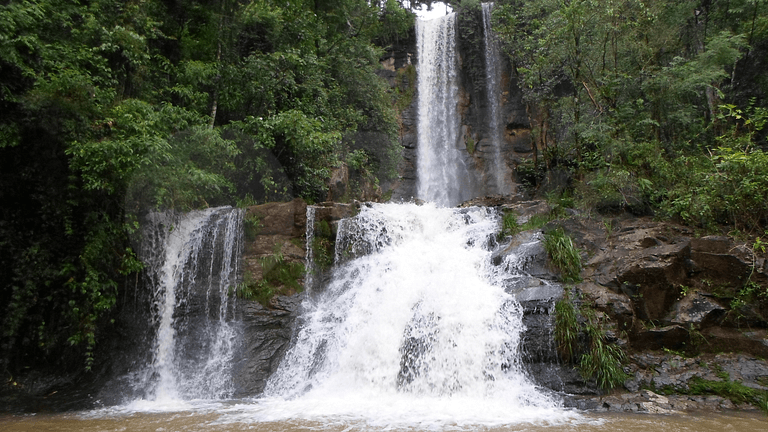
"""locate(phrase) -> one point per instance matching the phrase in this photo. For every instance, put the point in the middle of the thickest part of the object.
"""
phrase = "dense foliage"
(109, 108)
(656, 106)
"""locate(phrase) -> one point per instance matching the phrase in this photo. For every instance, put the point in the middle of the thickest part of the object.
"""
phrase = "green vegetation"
(279, 276)
(751, 292)
(566, 326)
(509, 225)
(406, 89)
(598, 360)
(603, 360)
(323, 246)
(737, 392)
(251, 226)
(470, 144)
(656, 107)
(563, 254)
(111, 108)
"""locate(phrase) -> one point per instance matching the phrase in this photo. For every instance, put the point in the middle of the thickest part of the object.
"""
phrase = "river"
(229, 418)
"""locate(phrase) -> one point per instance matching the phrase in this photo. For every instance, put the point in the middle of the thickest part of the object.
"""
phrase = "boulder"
(697, 310)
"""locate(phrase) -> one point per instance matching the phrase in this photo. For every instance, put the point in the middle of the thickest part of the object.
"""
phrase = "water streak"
(192, 262)
(499, 183)
(443, 177)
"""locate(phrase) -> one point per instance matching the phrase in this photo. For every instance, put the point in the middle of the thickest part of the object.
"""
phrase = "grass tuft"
(564, 255)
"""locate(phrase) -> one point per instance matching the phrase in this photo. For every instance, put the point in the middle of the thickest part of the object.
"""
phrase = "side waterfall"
(499, 183)
(192, 266)
(414, 327)
(443, 177)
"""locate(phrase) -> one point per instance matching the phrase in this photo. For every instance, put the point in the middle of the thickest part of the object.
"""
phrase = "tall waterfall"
(414, 328)
(443, 177)
(497, 170)
(192, 264)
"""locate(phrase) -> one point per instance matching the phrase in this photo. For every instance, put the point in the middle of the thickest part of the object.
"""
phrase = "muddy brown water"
(193, 421)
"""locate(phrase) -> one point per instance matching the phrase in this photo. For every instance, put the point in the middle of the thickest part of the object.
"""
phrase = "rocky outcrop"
(686, 293)
(280, 227)
(273, 229)
(685, 308)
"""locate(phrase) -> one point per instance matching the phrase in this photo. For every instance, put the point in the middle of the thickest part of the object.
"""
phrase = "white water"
(443, 177)
(414, 330)
(500, 184)
(192, 265)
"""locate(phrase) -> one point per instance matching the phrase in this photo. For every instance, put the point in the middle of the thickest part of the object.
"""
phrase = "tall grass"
(563, 254)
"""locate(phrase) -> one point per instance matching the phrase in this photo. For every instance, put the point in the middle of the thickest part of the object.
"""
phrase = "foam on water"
(414, 330)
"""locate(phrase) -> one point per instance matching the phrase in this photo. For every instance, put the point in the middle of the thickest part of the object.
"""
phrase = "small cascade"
(192, 267)
(415, 327)
(443, 177)
(311, 267)
(498, 182)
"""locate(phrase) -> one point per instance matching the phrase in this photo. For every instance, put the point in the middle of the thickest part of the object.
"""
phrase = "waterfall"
(443, 177)
(493, 95)
(192, 267)
(414, 328)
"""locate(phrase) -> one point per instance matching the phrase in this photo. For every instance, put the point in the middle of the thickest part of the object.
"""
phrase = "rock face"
(686, 293)
(266, 337)
(516, 142)
(274, 228)
(399, 69)
(267, 330)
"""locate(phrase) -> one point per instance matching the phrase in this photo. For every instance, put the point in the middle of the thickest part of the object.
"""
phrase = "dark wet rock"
(523, 255)
(724, 339)
(266, 337)
(670, 337)
(561, 378)
(696, 309)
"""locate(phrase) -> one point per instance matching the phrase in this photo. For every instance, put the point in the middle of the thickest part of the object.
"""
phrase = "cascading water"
(192, 264)
(493, 93)
(443, 177)
(414, 329)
